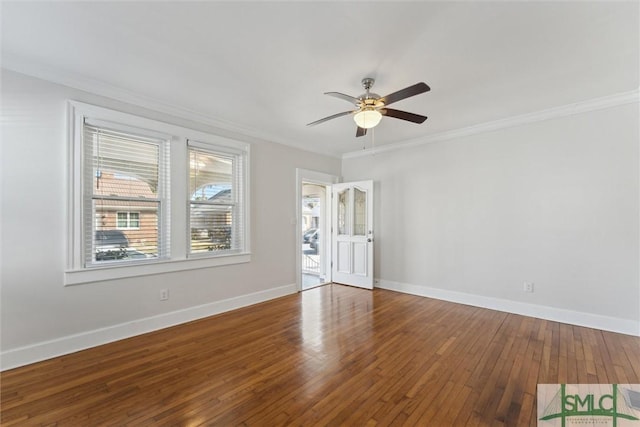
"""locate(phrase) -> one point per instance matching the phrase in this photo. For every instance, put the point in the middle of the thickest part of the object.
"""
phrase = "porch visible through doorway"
(314, 226)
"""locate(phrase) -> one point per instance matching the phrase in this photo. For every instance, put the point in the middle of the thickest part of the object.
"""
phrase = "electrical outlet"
(528, 287)
(164, 294)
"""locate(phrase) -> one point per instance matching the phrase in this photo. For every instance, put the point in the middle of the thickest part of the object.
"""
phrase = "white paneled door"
(352, 234)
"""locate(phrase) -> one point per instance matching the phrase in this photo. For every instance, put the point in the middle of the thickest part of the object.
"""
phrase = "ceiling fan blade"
(403, 115)
(317, 122)
(361, 132)
(345, 97)
(407, 92)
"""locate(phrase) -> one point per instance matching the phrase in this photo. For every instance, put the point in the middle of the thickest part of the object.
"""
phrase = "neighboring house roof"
(114, 184)
(222, 196)
(216, 192)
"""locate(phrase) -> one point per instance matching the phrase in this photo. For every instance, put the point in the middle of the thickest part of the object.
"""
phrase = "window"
(215, 199)
(130, 178)
(128, 220)
(123, 170)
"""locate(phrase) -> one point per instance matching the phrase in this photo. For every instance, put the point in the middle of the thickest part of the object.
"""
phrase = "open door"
(352, 234)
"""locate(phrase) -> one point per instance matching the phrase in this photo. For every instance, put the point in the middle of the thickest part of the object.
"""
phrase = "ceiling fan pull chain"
(373, 141)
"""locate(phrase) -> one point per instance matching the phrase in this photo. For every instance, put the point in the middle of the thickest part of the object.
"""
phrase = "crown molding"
(538, 116)
(97, 87)
(77, 81)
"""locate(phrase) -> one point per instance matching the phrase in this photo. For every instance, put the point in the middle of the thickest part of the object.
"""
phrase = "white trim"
(551, 113)
(149, 267)
(98, 114)
(48, 349)
(77, 81)
(589, 320)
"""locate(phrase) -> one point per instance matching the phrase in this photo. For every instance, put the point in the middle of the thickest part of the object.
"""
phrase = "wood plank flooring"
(333, 355)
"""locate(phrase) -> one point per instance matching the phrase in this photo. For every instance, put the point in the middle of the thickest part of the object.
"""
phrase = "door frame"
(319, 178)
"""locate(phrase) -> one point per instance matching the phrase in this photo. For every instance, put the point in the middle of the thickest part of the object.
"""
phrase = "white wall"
(40, 317)
(554, 202)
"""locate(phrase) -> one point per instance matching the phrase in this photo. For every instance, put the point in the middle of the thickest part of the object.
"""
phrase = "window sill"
(112, 272)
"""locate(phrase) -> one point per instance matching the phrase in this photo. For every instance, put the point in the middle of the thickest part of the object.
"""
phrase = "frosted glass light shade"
(367, 119)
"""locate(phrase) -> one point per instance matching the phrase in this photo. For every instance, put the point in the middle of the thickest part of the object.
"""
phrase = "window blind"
(125, 194)
(216, 199)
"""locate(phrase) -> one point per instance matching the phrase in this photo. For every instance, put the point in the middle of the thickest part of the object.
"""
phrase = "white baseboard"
(46, 350)
(589, 320)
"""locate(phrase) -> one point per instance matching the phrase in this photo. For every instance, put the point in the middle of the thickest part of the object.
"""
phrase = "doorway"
(314, 225)
(313, 235)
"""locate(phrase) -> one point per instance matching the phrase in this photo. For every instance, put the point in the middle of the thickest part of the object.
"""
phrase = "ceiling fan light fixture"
(367, 118)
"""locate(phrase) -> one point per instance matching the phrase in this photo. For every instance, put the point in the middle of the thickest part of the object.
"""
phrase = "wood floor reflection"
(333, 355)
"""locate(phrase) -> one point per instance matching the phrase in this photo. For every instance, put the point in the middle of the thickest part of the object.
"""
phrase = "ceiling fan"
(371, 106)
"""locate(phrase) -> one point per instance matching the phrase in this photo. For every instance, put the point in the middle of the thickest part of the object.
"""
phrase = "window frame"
(174, 216)
(238, 202)
(160, 143)
(127, 220)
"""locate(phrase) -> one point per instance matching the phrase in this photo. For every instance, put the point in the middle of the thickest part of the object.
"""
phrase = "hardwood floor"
(333, 355)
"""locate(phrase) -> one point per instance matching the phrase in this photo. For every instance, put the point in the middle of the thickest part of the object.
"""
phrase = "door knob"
(369, 240)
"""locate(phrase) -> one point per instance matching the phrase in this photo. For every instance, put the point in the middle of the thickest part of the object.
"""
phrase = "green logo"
(589, 404)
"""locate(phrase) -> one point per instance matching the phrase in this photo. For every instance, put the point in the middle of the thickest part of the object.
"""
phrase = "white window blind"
(216, 199)
(125, 192)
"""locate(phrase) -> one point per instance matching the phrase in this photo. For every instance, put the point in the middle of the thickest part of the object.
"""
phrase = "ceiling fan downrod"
(367, 84)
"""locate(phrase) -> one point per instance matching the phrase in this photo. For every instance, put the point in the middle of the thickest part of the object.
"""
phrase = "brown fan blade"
(403, 115)
(317, 122)
(407, 92)
(361, 132)
(347, 98)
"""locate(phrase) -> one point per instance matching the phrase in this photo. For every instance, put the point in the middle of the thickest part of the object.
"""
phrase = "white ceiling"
(263, 67)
